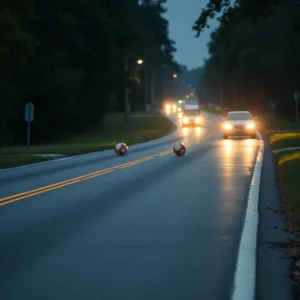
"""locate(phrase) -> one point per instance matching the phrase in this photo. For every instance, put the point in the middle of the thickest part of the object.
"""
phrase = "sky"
(182, 14)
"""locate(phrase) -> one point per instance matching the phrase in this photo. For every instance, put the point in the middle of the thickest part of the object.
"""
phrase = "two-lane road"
(100, 227)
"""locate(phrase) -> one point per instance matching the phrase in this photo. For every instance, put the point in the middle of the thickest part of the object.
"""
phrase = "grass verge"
(289, 174)
(288, 169)
(284, 140)
(20, 160)
(113, 129)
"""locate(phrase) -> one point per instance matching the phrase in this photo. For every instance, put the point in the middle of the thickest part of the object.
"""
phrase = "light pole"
(126, 98)
(152, 89)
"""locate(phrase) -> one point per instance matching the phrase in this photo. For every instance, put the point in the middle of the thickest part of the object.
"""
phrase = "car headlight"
(185, 120)
(198, 120)
(250, 126)
(228, 126)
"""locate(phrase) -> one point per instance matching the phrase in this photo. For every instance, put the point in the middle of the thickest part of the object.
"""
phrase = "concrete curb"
(285, 150)
(245, 273)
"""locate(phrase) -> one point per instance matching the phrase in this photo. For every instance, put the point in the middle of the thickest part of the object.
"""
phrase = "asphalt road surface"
(94, 227)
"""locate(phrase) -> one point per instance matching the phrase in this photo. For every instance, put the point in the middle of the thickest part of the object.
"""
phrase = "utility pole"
(235, 96)
(296, 98)
(146, 88)
(152, 89)
(126, 96)
(221, 94)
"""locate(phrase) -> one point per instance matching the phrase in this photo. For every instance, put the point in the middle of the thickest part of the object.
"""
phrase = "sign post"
(296, 98)
(29, 117)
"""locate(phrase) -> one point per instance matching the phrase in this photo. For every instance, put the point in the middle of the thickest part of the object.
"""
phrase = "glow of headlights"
(185, 120)
(198, 120)
(228, 126)
(180, 115)
(250, 126)
(179, 109)
(174, 106)
(168, 106)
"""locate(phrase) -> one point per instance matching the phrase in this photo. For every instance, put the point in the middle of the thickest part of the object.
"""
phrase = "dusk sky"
(182, 14)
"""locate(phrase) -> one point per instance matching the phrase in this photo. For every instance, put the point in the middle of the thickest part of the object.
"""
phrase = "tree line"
(68, 58)
(254, 58)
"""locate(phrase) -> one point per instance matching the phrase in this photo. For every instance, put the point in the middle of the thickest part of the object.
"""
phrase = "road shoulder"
(273, 266)
(141, 130)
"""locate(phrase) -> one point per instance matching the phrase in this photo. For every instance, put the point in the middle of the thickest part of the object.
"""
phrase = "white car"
(191, 118)
(239, 123)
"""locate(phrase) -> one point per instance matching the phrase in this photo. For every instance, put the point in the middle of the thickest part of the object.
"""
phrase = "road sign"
(29, 117)
(29, 112)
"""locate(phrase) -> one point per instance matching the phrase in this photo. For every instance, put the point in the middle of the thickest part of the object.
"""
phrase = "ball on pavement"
(179, 149)
(121, 149)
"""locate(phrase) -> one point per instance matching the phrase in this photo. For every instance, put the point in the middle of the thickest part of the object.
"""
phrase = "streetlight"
(174, 75)
(126, 100)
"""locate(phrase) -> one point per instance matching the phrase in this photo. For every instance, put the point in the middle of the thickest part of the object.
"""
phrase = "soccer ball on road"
(179, 149)
(121, 149)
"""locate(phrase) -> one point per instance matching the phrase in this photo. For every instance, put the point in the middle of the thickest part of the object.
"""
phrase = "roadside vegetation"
(254, 56)
(113, 129)
(68, 59)
(73, 61)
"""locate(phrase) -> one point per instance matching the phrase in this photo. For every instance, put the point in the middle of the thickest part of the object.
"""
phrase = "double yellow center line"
(58, 185)
(51, 187)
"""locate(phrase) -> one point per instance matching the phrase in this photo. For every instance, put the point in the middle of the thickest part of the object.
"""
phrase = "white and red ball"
(121, 149)
(179, 149)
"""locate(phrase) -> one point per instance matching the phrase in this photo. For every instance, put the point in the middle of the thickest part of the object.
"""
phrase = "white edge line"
(245, 272)
(87, 154)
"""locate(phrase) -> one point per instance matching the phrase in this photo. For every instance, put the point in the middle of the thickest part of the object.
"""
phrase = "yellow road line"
(35, 193)
(64, 183)
(75, 179)
(135, 163)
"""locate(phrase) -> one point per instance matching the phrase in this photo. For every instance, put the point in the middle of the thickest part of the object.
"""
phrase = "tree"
(17, 46)
(253, 9)
(255, 63)
(67, 57)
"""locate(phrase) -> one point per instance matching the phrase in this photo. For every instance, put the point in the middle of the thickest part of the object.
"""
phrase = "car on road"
(191, 117)
(239, 123)
(180, 106)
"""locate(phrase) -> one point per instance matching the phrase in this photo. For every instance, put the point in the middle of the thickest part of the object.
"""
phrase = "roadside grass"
(20, 160)
(140, 128)
(284, 140)
(282, 133)
(289, 174)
